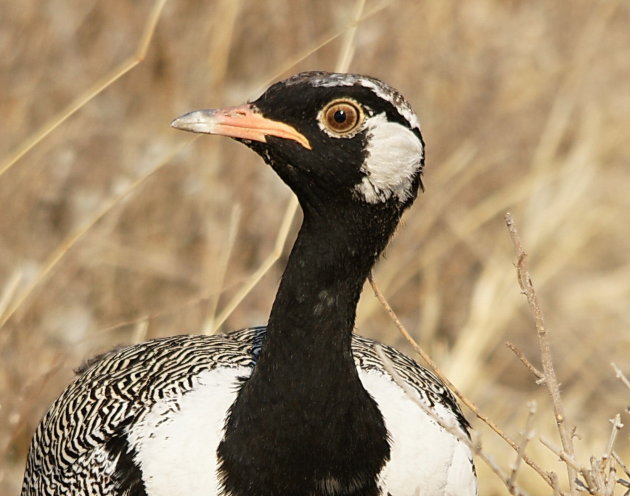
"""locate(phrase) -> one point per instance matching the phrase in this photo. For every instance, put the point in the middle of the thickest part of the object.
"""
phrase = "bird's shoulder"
(115, 390)
(401, 368)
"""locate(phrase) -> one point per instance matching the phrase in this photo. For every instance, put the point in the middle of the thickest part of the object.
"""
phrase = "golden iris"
(342, 116)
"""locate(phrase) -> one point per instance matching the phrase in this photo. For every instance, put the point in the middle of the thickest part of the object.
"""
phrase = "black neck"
(303, 423)
(316, 302)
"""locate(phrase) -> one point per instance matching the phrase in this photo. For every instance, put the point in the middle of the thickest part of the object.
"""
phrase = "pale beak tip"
(183, 122)
(198, 121)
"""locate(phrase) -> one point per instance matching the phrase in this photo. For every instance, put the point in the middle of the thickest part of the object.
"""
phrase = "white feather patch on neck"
(394, 156)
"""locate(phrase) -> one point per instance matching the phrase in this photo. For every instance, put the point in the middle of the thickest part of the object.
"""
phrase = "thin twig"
(521, 356)
(555, 484)
(595, 479)
(616, 427)
(551, 381)
(528, 433)
(622, 482)
(563, 455)
(600, 476)
(620, 375)
(516, 491)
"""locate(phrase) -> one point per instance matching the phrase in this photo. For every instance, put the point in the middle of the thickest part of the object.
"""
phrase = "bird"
(302, 406)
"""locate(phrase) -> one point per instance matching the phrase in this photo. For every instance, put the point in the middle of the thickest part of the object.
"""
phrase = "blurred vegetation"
(115, 228)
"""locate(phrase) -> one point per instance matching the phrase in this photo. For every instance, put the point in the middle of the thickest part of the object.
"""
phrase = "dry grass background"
(114, 228)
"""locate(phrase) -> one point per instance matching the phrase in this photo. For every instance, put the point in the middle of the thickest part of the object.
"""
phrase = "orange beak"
(244, 121)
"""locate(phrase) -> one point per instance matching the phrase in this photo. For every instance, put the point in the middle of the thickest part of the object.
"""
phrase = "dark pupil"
(340, 116)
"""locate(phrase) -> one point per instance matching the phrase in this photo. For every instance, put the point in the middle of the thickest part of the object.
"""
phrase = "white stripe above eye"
(379, 88)
(395, 99)
(393, 159)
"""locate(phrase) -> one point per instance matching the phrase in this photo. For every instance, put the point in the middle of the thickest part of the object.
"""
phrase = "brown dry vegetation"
(115, 228)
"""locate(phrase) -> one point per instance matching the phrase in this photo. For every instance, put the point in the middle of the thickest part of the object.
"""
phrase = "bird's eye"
(342, 116)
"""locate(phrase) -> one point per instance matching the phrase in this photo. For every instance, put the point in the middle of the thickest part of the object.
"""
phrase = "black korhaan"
(302, 407)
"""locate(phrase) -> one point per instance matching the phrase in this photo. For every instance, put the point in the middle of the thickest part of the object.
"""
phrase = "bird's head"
(333, 138)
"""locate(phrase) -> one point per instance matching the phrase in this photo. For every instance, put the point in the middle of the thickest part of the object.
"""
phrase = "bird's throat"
(303, 417)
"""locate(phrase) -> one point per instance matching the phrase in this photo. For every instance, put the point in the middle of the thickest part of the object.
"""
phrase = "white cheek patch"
(394, 157)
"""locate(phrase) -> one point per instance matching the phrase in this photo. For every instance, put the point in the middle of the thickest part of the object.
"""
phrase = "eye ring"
(341, 117)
